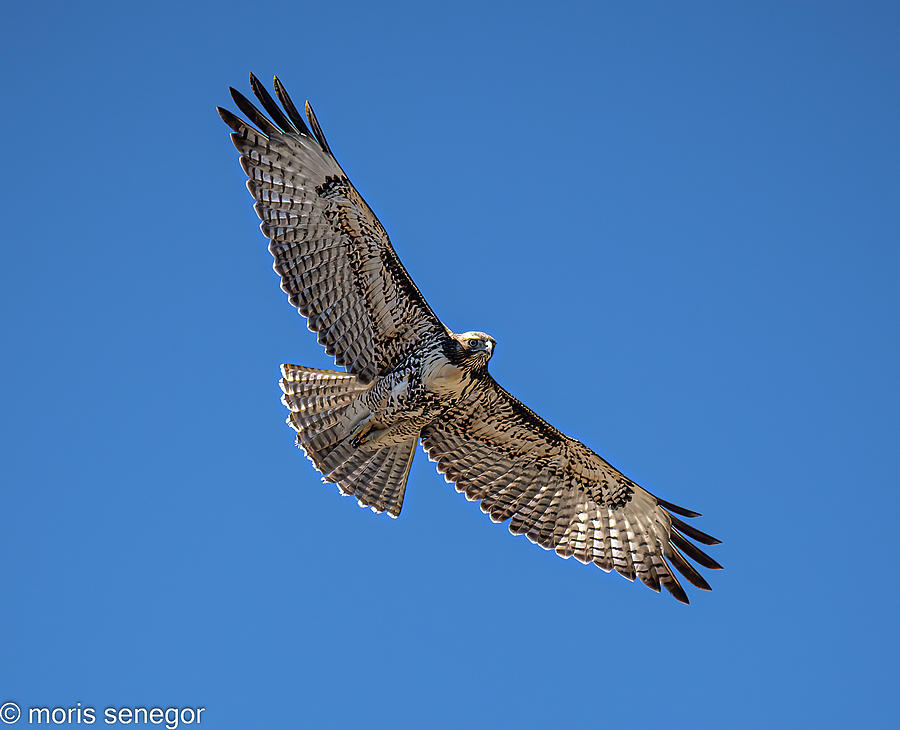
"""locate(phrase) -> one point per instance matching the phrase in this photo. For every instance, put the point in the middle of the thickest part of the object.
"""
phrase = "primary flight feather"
(409, 378)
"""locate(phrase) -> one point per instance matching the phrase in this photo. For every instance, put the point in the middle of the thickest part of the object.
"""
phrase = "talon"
(359, 435)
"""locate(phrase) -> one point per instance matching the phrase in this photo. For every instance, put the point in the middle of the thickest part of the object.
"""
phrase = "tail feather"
(385, 488)
(395, 484)
(318, 401)
(376, 478)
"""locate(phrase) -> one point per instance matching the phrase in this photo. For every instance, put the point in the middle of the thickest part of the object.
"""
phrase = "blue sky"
(681, 225)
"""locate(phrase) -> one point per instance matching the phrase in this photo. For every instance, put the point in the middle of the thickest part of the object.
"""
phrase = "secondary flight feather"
(409, 378)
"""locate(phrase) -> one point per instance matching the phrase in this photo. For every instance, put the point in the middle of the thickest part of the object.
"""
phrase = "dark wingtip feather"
(694, 533)
(253, 114)
(676, 509)
(674, 587)
(289, 107)
(269, 105)
(693, 552)
(320, 137)
(681, 564)
(236, 123)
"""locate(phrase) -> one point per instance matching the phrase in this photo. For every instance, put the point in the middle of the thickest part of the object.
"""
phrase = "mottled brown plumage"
(408, 377)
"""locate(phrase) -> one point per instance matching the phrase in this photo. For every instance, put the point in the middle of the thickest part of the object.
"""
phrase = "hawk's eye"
(474, 343)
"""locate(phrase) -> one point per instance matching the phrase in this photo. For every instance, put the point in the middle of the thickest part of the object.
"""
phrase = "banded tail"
(319, 401)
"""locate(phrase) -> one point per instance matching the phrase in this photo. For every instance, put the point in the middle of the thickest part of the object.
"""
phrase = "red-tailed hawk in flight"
(409, 378)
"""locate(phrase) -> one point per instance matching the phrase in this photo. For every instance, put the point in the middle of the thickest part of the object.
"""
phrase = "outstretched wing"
(560, 494)
(335, 260)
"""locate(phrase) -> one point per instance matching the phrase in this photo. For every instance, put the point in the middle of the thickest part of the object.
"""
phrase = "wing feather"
(334, 257)
(295, 116)
(560, 494)
(270, 106)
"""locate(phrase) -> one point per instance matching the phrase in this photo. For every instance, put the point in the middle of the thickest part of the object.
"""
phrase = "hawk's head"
(474, 349)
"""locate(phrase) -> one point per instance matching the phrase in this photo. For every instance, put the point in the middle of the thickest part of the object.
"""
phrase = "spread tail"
(319, 401)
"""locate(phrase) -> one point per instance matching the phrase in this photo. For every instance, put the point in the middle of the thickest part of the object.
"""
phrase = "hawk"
(409, 378)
